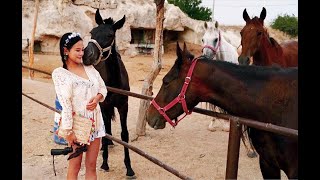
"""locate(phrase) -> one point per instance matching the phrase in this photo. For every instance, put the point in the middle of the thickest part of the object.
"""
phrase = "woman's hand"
(93, 102)
(71, 138)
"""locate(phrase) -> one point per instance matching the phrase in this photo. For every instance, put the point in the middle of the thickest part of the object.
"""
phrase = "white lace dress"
(74, 92)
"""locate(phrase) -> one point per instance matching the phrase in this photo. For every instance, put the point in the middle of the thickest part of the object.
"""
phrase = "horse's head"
(211, 40)
(251, 35)
(102, 39)
(170, 91)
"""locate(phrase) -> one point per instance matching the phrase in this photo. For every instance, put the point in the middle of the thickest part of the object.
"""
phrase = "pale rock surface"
(60, 16)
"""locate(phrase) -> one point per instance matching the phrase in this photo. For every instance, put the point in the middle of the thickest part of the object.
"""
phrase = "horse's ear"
(205, 25)
(217, 24)
(185, 51)
(98, 18)
(184, 48)
(178, 51)
(263, 14)
(245, 15)
(119, 23)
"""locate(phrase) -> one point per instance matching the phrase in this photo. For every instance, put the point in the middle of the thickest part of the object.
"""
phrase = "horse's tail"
(215, 108)
(251, 151)
(113, 115)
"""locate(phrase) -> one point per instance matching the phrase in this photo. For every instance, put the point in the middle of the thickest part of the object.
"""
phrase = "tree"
(287, 24)
(193, 9)
(156, 67)
(31, 56)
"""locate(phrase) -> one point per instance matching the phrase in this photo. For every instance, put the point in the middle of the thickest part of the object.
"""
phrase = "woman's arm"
(63, 88)
(102, 87)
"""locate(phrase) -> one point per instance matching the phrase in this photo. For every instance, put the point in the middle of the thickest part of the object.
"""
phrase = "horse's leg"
(225, 123)
(214, 124)
(107, 117)
(269, 171)
(123, 112)
(106, 114)
(109, 131)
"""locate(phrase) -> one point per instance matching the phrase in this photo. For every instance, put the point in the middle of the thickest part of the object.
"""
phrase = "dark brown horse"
(266, 94)
(101, 52)
(265, 50)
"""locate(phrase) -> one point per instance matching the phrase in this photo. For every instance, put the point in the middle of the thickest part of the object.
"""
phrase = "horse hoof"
(131, 177)
(252, 154)
(213, 126)
(130, 173)
(105, 167)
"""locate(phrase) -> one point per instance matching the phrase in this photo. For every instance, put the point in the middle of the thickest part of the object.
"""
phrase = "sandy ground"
(190, 148)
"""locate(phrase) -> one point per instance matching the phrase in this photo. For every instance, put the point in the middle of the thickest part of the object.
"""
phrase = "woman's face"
(76, 52)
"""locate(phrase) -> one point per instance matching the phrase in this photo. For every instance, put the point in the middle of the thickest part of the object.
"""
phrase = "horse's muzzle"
(244, 60)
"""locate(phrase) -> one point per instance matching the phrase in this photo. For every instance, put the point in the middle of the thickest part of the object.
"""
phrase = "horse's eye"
(165, 82)
(202, 40)
(240, 33)
(259, 33)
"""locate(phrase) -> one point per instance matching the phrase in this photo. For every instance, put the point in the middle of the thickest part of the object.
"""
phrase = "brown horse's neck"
(267, 54)
(240, 89)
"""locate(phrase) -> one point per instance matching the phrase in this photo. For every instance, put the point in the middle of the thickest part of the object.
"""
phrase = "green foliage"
(192, 9)
(287, 24)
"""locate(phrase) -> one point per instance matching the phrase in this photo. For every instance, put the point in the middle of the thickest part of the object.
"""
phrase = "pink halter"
(179, 99)
(214, 49)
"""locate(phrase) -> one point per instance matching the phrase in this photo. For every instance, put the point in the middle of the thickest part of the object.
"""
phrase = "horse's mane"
(248, 72)
(108, 21)
(256, 20)
(275, 44)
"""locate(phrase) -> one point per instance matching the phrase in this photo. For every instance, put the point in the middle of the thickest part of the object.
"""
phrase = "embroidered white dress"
(74, 92)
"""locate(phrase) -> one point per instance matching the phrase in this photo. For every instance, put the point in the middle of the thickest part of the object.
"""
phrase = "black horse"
(266, 94)
(102, 53)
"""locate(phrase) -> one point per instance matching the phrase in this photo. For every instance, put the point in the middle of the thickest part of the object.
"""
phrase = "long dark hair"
(68, 40)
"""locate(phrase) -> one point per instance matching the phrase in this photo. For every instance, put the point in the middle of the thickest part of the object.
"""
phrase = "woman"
(79, 90)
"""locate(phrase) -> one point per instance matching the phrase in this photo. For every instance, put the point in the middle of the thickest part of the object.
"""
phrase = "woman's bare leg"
(74, 168)
(91, 159)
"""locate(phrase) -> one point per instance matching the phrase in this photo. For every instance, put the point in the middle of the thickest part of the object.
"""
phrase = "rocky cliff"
(56, 17)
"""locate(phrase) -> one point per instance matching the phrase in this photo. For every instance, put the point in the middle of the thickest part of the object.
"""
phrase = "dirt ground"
(190, 148)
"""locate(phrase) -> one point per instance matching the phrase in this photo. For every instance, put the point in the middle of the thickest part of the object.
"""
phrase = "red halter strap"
(181, 98)
(214, 49)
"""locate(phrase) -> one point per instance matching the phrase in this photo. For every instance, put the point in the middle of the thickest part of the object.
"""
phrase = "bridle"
(216, 48)
(101, 51)
(181, 98)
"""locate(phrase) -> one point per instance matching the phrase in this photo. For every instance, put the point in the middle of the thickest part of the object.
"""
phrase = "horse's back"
(228, 53)
(290, 53)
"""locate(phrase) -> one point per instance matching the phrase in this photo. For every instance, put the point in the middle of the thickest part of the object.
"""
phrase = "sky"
(229, 12)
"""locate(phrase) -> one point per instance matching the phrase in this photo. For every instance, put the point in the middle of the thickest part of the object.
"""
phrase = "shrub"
(287, 24)
(193, 9)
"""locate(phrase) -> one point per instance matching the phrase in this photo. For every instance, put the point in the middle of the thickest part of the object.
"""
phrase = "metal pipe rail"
(249, 122)
(135, 149)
